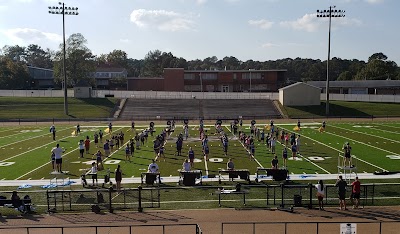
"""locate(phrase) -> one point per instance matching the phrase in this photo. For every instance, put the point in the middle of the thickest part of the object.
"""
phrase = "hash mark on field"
(29, 178)
(365, 172)
(42, 178)
(3, 179)
(316, 173)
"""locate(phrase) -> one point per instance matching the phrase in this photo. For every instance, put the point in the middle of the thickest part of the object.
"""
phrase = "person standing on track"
(320, 194)
(355, 193)
(341, 184)
(118, 177)
(298, 144)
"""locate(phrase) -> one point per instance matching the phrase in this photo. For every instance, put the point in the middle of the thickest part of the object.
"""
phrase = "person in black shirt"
(274, 163)
(341, 184)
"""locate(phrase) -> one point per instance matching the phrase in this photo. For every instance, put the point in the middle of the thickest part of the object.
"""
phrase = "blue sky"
(247, 29)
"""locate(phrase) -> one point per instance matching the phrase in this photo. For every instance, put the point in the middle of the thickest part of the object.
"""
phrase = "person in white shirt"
(186, 165)
(273, 145)
(93, 172)
(320, 194)
(57, 151)
(298, 143)
(153, 167)
(81, 148)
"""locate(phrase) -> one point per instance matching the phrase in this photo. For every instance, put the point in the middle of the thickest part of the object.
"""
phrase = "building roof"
(82, 83)
(39, 68)
(145, 78)
(357, 83)
(110, 69)
(214, 71)
(297, 84)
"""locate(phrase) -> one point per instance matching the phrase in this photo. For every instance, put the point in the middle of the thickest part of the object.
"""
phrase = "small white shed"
(83, 89)
(300, 94)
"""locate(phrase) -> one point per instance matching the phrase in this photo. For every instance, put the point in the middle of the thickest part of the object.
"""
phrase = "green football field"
(25, 150)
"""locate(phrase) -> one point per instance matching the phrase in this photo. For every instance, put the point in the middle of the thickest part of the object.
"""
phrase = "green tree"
(378, 68)
(37, 57)
(15, 53)
(80, 62)
(13, 75)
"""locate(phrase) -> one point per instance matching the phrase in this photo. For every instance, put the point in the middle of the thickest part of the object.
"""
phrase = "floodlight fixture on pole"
(63, 10)
(331, 12)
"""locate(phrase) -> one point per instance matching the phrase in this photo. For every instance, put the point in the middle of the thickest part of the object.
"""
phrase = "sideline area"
(210, 221)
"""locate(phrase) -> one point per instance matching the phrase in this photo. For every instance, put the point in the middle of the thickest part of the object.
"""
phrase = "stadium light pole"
(201, 83)
(63, 10)
(332, 12)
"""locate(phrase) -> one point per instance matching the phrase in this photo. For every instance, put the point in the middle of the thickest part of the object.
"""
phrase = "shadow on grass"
(315, 111)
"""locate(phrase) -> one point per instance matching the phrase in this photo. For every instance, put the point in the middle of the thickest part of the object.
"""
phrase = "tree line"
(81, 63)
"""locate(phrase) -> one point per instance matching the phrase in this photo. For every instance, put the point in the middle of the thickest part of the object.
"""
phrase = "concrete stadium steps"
(165, 108)
(248, 108)
(195, 108)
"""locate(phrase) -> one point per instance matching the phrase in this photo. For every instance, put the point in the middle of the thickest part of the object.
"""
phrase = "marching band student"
(96, 139)
(118, 177)
(284, 157)
(53, 131)
(294, 151)
(186, 165)
(298, 143)
(191, 157)
(99, 159)
(87, 144)
(161, 152)
(112, 144)
(93, 172)
(273, 145)
(179, 144)
(78, 129)
(274, 162)
(101, 136)
(128, 153)
(110, 128)
(57, 151)
(230, 165)
(81, 148)
(153, 167)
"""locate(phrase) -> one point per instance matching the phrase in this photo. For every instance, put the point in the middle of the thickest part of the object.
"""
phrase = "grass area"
(374, 144)
(48, 108)
(343, 109)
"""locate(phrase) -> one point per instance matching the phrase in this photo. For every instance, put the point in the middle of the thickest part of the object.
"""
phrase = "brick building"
(178, 79)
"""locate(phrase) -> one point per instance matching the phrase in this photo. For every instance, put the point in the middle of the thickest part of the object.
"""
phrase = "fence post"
(110, 190)
(282, 195)
(373, 193)
(310, 206)
(140, 208)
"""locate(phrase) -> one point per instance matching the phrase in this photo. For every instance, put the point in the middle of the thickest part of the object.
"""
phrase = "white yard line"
(245, 148)
(62, 156)
(341, 152)
(13, 135)
(349, 139)
(15, 142)
(53, 142)
(385, 125)
(308, 160)
(365, 133)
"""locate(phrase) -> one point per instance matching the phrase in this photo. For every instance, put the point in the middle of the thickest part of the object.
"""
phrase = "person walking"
(320, 194)
(118, 177)
(341, 184)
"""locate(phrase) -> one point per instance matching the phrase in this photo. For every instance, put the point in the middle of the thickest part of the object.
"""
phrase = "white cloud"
(311, 23)
(200, 2)
(263, 24)
(374, 1)
(269, 45)
(124, 40)
(30, 35)
(162, 20)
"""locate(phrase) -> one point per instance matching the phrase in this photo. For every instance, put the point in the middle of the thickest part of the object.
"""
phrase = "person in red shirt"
(355, 193)
(87, 144)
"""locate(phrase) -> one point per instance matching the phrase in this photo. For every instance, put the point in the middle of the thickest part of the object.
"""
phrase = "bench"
(25, 203)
